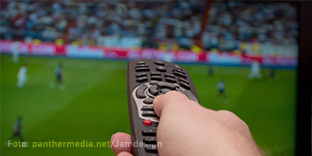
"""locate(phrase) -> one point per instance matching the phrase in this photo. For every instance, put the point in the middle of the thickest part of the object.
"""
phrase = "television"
(92, 41)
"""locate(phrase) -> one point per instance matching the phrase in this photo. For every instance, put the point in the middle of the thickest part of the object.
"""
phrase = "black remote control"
(147, 78)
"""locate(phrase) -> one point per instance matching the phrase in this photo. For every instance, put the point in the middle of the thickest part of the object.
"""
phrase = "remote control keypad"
(155, 83)
(155, 78)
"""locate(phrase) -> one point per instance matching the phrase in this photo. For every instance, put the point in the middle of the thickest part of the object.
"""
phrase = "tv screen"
(251, 47)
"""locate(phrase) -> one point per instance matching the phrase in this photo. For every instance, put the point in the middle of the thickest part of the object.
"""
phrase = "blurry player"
(15, 51)
(272, 74)
(210, 70)
(221, 90)
(254, 70)
(59, 77)
(17, 129)
(22, 76)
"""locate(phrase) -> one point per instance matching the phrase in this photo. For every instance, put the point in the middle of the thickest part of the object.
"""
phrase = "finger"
(121, 142)
(170, 98)
(124, 154)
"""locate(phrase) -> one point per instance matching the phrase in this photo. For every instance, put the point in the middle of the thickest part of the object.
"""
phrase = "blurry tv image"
(64, 64)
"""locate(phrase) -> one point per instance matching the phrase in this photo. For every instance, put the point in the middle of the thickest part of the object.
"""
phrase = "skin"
(186, 128)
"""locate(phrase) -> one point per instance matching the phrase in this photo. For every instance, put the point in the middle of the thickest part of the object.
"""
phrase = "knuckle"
(244, 125)
(226, 113)
(233, 118)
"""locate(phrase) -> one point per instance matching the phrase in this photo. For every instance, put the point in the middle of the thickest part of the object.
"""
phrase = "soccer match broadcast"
(112, 78)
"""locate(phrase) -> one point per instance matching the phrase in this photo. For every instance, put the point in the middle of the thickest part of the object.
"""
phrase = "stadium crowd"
(229, 26)
(231, 23)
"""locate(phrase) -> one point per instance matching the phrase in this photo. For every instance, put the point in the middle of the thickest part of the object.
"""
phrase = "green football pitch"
(93, 106)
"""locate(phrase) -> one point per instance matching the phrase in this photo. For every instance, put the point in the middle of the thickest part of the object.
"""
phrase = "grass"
(94, 104)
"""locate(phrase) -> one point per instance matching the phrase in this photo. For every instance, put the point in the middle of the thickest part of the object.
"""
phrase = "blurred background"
(247, 49)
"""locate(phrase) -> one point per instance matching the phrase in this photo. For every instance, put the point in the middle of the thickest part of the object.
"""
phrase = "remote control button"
(142, 69)
(140, 91)
(150, 140)
(150, 132)
(159, 78)
(153, 90)
(149, 114)
(141, 74)
(140, 65)
(177, 86)
(170, 75)
(166, 85)
(153, 82)
(147, 122)
(183, 80)
(151, 148)
(148, 108)
(170, 79)
(159, 63)
(185, 85)
(179, 70)
(165, 90)
(177, 73)
(141, 79)
(155, 73)
(148, 101)
(140, 62)
(177, 67)
(162, 69)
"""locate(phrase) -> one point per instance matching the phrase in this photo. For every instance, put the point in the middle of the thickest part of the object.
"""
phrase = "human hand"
(186, 128)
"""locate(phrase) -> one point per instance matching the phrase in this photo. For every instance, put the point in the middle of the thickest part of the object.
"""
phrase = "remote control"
(147, 78)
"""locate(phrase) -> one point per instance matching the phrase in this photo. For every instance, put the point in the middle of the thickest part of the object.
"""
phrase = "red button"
(147, 122)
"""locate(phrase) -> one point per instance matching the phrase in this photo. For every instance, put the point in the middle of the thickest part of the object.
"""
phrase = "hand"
(186, 128)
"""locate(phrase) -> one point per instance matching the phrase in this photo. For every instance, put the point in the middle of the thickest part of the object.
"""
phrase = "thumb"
(171, 98)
